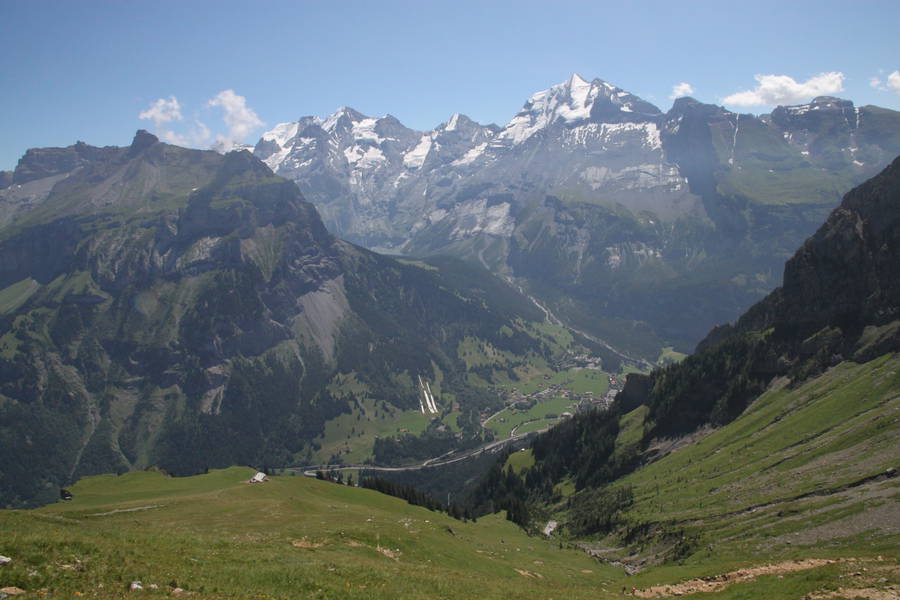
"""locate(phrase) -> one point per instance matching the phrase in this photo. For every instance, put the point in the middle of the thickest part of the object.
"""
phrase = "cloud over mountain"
(783, 89)
(681, 89)
(240, 119)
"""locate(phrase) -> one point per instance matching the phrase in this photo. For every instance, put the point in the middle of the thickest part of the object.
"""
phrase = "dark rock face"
(6, 179)
(44, 162)
(846, 276)
(143, 139)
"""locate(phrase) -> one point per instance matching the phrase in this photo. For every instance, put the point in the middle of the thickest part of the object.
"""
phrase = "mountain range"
(638, 227)
(773, 419)
(181, 308)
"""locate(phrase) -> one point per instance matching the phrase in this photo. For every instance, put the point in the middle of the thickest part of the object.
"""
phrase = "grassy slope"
(219, 537)
(222, 538)
(776, 483)
(833, 430)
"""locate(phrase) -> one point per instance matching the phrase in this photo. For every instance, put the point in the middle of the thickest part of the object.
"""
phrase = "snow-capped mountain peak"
(574, 101)
(452, 123)
(449, 141)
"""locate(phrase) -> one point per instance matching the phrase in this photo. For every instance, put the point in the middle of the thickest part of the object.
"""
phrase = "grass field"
(579, 381)
(507, 420)
(292, 537)
(352, 435)
(669, 355)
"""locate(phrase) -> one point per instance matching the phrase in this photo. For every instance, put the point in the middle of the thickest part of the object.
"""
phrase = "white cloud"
(199, 135)
(875, 82)
(163, 111)
(893, 82)
(240, 119)
(681, 89)
(782, 89)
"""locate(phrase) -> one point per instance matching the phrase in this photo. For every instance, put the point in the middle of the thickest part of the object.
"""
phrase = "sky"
(211, 74)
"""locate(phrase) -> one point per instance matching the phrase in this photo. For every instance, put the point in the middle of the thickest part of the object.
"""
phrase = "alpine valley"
(640, 228)
(762, 466)
(188, 310)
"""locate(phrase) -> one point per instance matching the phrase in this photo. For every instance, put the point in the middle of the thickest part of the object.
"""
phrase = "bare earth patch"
(306, 543)
(855, 593)
(393, 555)
(720, 582)
(529, 574)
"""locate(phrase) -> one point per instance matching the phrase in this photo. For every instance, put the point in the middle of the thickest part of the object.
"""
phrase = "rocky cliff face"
(641, 227)
(180, 308)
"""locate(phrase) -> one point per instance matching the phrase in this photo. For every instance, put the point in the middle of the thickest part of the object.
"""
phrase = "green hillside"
(179, 308)
(218, 537)
(775, 442)
(809, 472)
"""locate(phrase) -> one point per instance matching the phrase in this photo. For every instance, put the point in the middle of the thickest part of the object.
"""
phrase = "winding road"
(438, 461)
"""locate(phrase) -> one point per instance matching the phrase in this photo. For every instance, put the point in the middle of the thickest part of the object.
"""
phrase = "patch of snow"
(615, 134)
(400, 178)
(282, 133)
(454, 121)
(364, 157)
(799, 110)
(365, 130)
(331, 122)
(472, 155)
(415, 158)
(274, 161)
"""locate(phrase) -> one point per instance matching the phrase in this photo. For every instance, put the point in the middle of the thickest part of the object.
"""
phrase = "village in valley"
(538, 404)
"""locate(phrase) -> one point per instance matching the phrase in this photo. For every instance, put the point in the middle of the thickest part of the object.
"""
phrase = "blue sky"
(86, 70)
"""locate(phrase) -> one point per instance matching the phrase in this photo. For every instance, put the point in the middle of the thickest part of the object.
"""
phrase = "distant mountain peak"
(342, 116)
(142, 139)
(573, 101)
(577, 80)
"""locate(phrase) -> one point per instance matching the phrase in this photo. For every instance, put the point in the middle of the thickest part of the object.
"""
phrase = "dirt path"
(125, 510)
(720, 582)
(856, 593)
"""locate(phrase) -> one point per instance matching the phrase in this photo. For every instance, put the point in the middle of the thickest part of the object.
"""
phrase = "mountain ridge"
(180, 308)
(712, 199)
